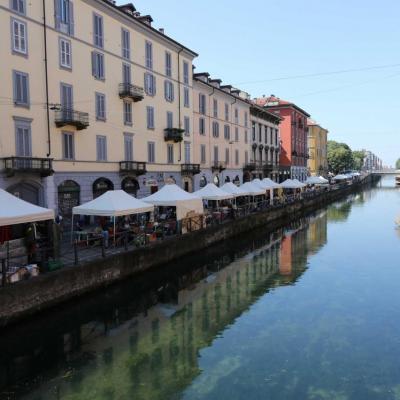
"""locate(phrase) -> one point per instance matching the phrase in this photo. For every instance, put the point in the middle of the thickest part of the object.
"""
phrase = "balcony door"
(67, 104)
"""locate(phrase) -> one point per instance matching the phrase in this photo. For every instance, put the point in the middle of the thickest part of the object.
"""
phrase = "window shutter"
(71, 19)
(93, 64)
(24, 84)
(57, 14)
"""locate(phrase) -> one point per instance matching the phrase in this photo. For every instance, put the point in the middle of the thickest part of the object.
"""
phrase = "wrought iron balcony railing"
(190, 169)
(218, 166)
(67, 116)
(41, 166)
(133, 92)
(134, 167)
(173, 134)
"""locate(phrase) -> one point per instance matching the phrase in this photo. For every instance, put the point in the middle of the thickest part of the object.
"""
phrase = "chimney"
(161, 30)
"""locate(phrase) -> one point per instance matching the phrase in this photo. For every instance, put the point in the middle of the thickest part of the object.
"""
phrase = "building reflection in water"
(147, 346)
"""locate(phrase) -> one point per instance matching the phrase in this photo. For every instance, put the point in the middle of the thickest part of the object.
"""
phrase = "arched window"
(130, 185)
(203, 181)
(68, 197)
(100, 186)
(216, 180)
(227, 179)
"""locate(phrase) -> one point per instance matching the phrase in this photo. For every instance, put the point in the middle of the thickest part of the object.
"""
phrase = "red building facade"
(293, 129)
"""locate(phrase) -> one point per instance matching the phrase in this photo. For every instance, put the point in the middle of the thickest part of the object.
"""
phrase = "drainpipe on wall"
(46, 79)
(210, 125)
(179, 101)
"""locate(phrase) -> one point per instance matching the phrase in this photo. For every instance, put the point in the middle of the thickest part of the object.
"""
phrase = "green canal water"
(311, 311)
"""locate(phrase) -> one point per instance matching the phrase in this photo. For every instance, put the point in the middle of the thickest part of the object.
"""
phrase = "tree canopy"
(358, 157)
(340, 157)
(398, 164)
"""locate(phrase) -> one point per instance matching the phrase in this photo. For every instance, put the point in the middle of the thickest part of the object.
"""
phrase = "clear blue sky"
(249, 44)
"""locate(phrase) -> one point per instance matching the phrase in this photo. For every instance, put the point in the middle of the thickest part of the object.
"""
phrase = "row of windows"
(203, 110)
(64, 22)
(215, 130)
(269, 133)
(216, 159)
(24, 147)
(101, 149)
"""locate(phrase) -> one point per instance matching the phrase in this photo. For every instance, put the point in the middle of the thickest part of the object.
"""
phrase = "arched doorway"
(100, 186)
(216, 180)
(68, 197)
(236, 181)
(227, 179)
(187, 184)
(28, 191)
(130, 185)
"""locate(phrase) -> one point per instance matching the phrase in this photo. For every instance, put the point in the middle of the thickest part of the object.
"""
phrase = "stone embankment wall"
(28, 297)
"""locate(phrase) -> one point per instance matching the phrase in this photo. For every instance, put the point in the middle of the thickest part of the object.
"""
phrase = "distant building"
(371, 161)
(263, 145)
(293, 129)
(317, 149)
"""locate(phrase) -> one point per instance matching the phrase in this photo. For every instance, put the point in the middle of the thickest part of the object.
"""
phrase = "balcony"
(41, 166)
(190, 169)
(267, 167)
(249, 167)
(173, 135)
(132, 167)
(70, 117)
(129, 91)
(218, 166)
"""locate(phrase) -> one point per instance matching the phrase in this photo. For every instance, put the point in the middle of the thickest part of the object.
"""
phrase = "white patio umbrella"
(253, 189)
(323, 180)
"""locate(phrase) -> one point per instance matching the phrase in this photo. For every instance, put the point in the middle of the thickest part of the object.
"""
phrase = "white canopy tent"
(300, 185)
(15, 211)
(289, 184)
(252, 189)
(174, 196)
(237, 191)
(258, 183)
(323, 180)
(113, 203)
(312, 180)
(340, 177)
(270, 184)
(212, 192)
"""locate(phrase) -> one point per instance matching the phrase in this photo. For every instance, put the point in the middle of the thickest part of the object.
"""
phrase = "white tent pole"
(271, 197)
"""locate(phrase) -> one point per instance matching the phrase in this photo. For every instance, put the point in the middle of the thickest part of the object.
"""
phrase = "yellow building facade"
(93, 99)
(317, 149)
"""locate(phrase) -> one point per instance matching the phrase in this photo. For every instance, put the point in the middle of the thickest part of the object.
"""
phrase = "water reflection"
(164, 338)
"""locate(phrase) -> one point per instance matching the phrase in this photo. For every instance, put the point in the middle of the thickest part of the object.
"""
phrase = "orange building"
(293, 129)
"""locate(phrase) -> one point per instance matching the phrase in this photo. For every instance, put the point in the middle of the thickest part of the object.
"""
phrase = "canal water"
(311, 311)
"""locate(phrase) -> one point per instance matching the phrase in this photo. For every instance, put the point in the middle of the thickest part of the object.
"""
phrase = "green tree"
(398, 164)
(358, 157)
(340, 157)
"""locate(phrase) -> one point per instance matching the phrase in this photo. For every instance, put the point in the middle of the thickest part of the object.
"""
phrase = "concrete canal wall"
(28, 297)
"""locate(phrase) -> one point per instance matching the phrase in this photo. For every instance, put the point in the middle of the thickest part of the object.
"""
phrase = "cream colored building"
(317, 149)
(94, 99)
(264, 145)
(221, 120)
